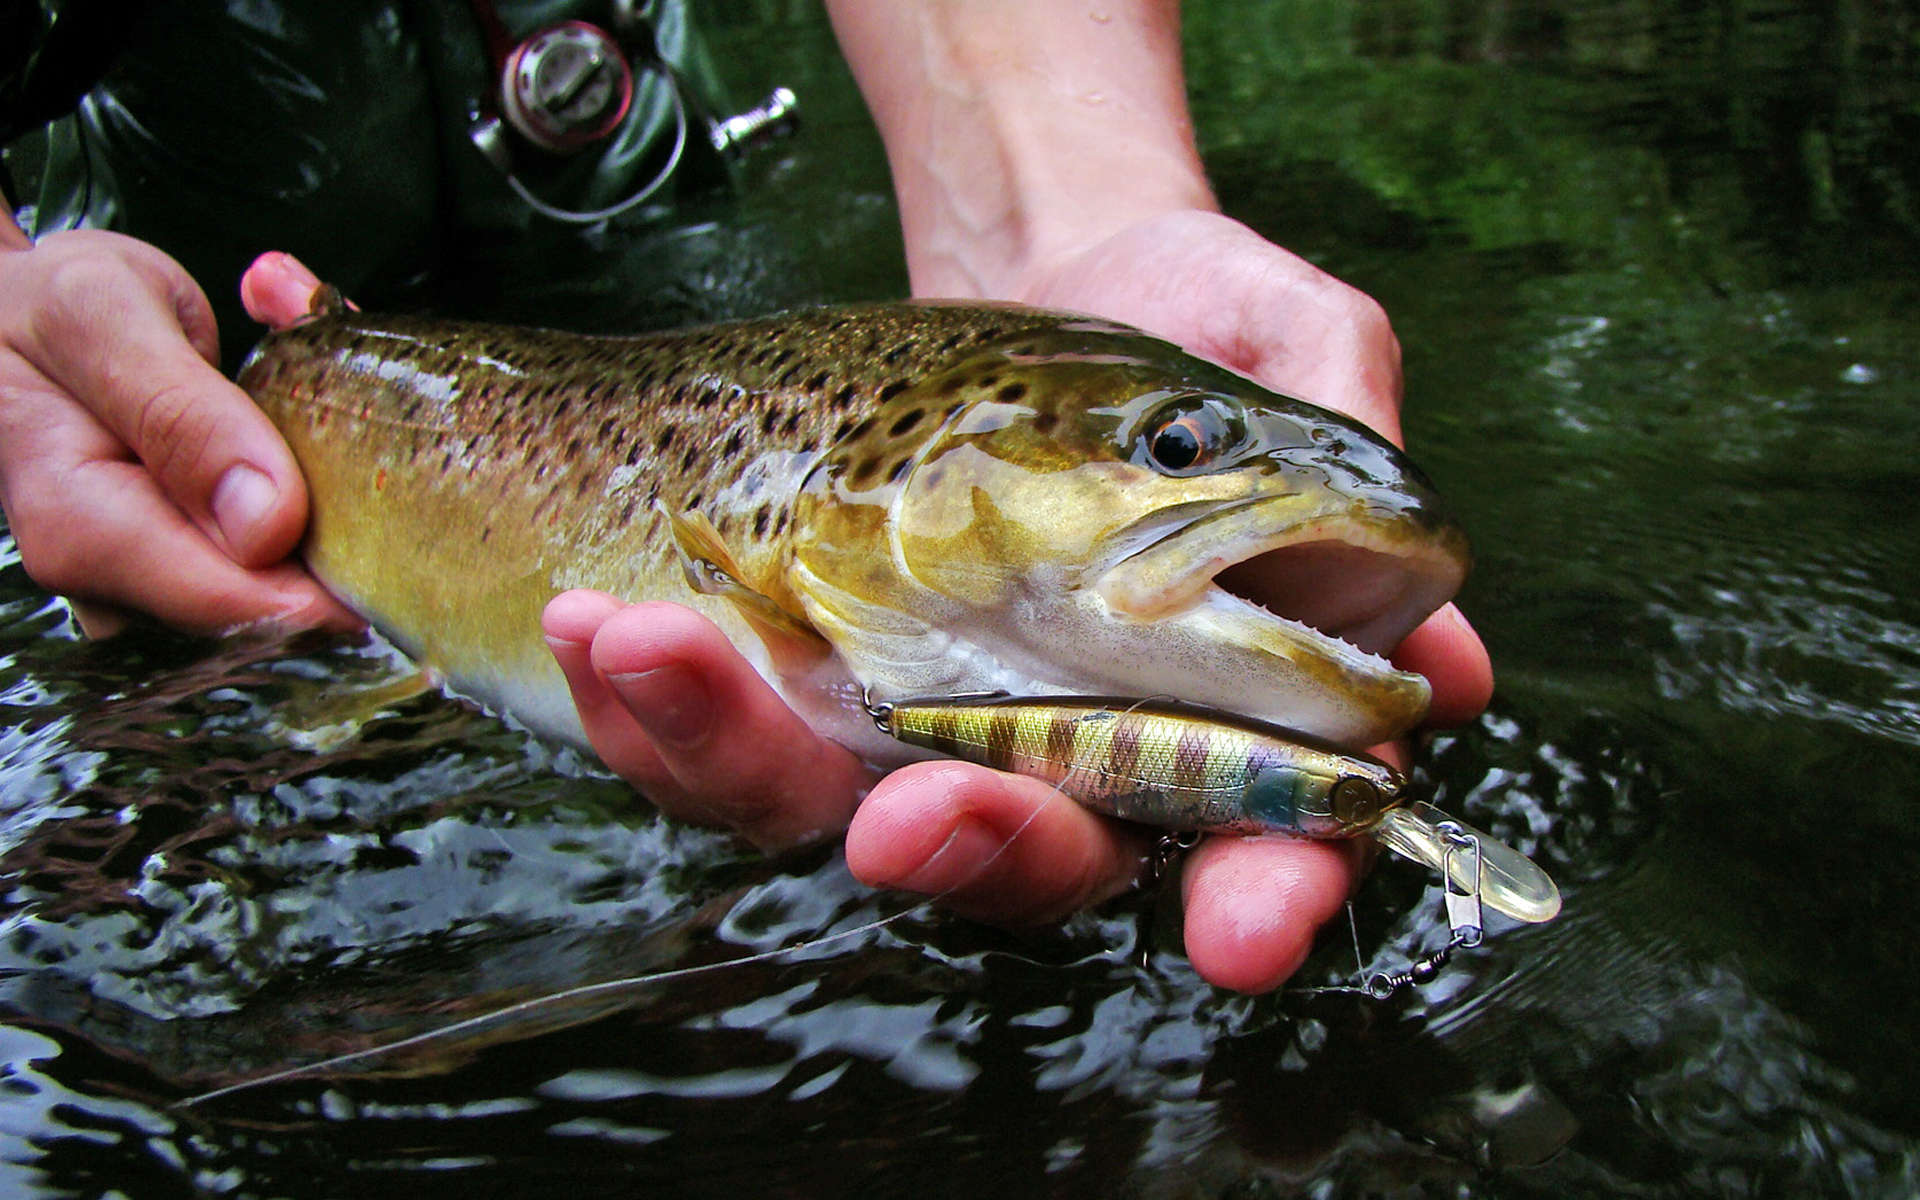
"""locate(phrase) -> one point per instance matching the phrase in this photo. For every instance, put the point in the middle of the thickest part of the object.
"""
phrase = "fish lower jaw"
(1226, 652)
(1306, 651)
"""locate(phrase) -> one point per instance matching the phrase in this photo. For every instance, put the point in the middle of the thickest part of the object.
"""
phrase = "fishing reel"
(569, 87)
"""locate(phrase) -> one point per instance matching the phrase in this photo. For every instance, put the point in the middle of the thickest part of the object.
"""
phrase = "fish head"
(1089, 509)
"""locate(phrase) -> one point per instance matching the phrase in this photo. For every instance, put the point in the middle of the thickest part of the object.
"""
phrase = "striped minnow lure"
(1182, 767)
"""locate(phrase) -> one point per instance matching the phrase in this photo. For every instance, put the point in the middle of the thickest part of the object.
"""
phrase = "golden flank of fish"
(910, 499)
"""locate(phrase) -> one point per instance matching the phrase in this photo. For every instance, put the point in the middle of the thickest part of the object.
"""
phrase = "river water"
(1653, 266)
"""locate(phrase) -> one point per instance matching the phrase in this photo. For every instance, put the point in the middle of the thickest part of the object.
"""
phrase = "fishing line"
(612, 987)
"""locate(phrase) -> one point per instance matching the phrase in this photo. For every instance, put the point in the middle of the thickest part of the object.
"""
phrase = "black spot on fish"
(861, 430)
(893, 389)
(863, 472)
(989, 381)
(844, 397)
(761, 519)
(734, 441)
(907, 421)
(626, 511)
(818, 383)
(1013, 393)
(1046, 421)
(899, 352)
(792, 422)
(769, 419)
(662, 442)
(780, 522)
(787, 377)
(687, 456)
(899, 470)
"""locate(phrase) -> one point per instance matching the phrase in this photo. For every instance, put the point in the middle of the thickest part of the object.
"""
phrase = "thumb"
(124, 331)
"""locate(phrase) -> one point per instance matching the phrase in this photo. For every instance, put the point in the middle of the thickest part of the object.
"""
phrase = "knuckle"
(172, 430)
(1368, 319)
(78, 286)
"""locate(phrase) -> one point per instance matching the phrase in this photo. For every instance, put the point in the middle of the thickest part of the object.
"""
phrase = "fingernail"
(293, 270)
(671, 703)
(241, 501)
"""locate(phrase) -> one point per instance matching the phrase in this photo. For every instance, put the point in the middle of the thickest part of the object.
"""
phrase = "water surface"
(1653, 266)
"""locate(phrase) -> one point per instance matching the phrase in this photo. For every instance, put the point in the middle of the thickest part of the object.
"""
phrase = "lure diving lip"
(1182, 767)
(1507, 881)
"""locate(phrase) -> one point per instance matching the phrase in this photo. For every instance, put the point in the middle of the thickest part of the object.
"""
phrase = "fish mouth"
(1368, 593)
(1322, 597)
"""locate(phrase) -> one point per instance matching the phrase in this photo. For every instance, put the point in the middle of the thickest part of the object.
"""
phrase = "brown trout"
(889, 500)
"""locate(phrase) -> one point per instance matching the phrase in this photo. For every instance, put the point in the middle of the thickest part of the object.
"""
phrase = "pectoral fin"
(711, 570)
(883, 645)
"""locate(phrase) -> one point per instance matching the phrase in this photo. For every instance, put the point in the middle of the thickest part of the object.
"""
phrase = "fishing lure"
(1181, 767)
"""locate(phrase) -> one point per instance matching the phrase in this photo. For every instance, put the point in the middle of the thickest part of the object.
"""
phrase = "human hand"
(672, 708)
(1225, 293)
(133, 474)
(1044, 153)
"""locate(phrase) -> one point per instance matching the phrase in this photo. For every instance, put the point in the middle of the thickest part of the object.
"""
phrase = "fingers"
(1446, 650)
(119, 330)
(92, 524)
(992, 846)
(1009, 849)
(1254, 904)
(277, 289)
(670, 706)
(115, 538)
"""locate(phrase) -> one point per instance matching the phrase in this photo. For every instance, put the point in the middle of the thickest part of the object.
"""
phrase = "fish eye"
(1356, 801)
(1190, 434)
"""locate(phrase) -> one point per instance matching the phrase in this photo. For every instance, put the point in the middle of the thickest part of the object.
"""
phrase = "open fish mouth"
(1368, 597)
(1338, 587)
